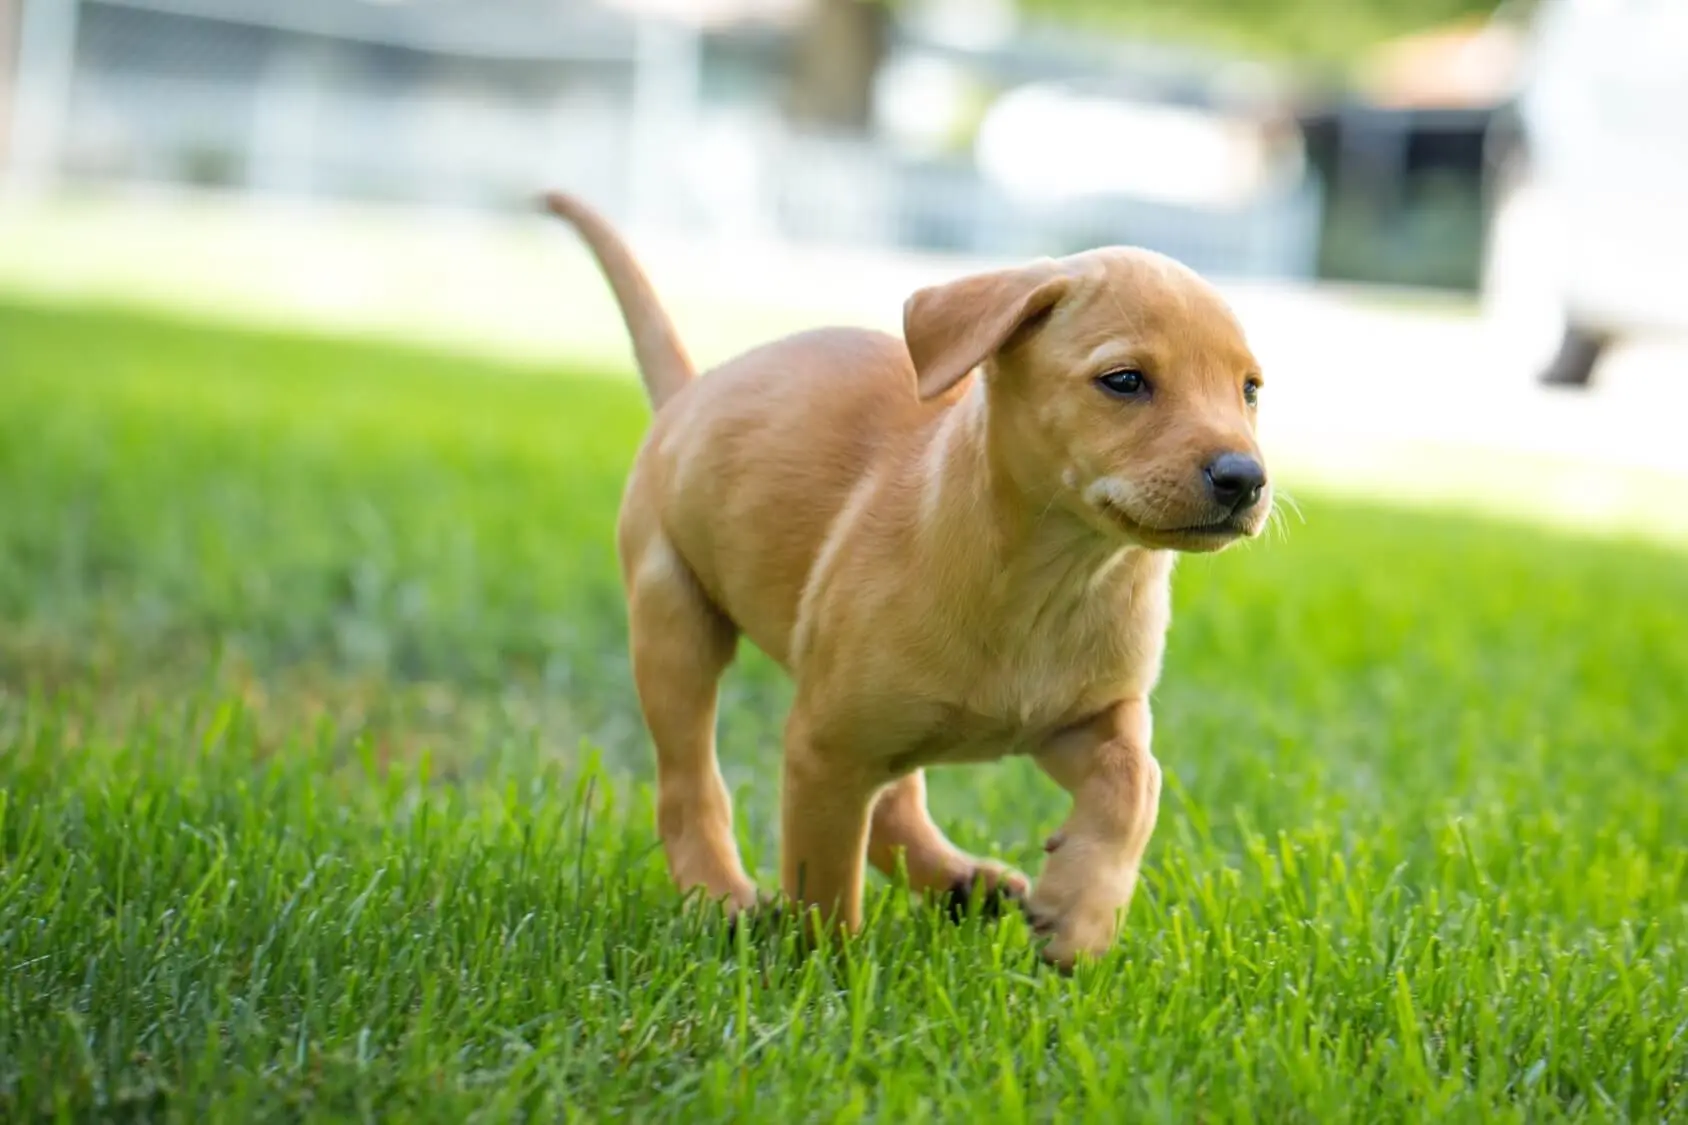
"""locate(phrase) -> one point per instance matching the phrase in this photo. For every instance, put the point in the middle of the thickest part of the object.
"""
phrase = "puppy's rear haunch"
(958, 544)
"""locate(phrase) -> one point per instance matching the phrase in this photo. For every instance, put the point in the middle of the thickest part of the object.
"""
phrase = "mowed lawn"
(323, 795)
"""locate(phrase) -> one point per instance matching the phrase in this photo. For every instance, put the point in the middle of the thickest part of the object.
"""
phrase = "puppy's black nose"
(1235, 480)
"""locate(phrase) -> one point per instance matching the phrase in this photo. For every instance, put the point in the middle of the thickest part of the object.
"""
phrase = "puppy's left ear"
(951, 329)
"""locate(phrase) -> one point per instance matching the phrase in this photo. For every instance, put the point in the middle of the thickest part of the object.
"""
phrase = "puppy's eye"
(1251, 392)
(1124, 383)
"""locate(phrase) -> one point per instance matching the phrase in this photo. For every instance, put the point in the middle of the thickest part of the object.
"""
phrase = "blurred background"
(323, 782)
(1435, 216)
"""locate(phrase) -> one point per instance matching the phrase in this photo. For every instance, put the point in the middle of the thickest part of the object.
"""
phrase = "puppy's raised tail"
(662, 359)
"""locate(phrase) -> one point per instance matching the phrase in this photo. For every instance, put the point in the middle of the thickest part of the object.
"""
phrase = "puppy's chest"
(1016, 719)
(1024, 685)
(1043, 680)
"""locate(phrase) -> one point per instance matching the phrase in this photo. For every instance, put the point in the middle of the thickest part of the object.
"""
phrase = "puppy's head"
(1117, 383)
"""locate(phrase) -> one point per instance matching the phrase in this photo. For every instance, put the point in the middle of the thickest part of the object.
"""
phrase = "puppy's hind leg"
(903, 830)
(681, 645)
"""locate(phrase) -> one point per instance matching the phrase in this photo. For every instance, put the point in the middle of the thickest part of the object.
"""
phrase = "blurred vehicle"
(1588, 176)
(1208, 167)
(1056, 142)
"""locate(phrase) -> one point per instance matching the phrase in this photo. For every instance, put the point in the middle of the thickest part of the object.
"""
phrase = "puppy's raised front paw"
(1075, 922)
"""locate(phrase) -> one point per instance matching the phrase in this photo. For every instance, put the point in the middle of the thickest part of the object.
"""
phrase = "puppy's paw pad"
(1042, 922)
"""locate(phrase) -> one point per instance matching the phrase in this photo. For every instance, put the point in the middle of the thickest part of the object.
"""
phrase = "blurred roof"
(715, 13)
(1127, 69)
(516, 29)
(1462, 66)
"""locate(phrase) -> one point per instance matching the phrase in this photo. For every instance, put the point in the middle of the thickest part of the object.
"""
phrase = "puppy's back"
(750, 465)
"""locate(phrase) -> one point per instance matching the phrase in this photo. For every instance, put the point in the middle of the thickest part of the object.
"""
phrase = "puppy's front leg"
(826, 800)
(1094, 858)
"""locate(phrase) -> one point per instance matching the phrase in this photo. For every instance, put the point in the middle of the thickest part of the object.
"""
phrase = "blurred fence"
(483, 103)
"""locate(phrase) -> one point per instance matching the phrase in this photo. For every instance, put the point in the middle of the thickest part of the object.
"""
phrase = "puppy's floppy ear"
(951, 329)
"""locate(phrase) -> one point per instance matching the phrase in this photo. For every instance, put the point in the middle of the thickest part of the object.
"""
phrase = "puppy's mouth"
(1198, 537)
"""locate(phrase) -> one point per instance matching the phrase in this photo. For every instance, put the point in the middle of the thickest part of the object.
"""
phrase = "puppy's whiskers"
(1284, 495)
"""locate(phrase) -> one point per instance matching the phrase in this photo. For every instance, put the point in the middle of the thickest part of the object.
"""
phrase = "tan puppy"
(958, 544)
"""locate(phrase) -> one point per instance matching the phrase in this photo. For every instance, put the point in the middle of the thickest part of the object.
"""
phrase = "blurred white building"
(664, 111)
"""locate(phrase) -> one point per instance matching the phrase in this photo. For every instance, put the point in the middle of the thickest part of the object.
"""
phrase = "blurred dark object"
(1403, 193)
(1402, 159)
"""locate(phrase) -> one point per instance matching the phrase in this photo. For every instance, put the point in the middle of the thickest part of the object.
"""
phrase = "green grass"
(324, 796)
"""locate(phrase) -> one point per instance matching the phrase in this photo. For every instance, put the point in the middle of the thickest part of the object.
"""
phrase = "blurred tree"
(1308, 29)
(834, 61)
(842, 42)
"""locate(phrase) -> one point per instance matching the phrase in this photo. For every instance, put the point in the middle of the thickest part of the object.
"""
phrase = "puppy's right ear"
(951, 329)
